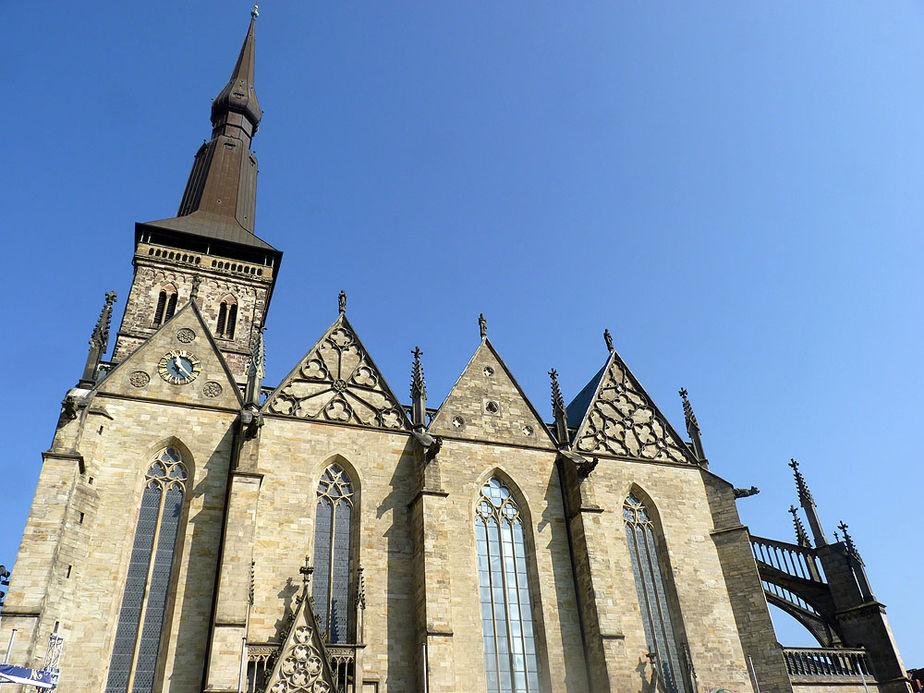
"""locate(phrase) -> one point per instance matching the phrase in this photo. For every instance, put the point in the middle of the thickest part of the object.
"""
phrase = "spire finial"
(418, 391)
(692, 425)
(99, 342)
(802, 538)
(256, 370)
(848, 540)
(482, 325)
(608, 338)
(255, 12)
(558, 410)
(341, 301)
(805, 496)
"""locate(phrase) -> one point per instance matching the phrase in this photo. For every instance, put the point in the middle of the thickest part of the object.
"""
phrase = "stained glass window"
(506, 613)
(330, 584)
(652, 595)
(141, 618)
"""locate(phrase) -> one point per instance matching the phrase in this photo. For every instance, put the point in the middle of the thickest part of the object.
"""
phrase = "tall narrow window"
(227, 318)
(171, 307)
(161, 306)
(506, 612)
(141, 618)
(330, 584)
(652, 595)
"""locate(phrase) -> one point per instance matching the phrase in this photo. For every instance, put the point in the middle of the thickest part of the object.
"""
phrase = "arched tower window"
(333, 554)
(166, 305)
(144, 602)
(227, 318)
(506, 612)
(653, 597)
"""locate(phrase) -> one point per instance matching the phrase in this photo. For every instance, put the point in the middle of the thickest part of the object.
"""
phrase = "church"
(197, 529)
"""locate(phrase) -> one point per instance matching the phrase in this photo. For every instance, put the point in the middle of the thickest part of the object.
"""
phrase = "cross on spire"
(805, 496)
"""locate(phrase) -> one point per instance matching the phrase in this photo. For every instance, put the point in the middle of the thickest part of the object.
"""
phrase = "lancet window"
(133, 666)
(506, 609)
(653, 596)
(166, 306)
(333, 554)
(227, 318)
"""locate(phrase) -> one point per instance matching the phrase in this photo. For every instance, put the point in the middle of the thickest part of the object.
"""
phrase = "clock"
(179, 367)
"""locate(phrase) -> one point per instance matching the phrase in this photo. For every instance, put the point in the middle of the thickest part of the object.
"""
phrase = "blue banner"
(31, 677)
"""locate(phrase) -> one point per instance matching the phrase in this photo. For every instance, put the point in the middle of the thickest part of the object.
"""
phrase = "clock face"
(179, 367)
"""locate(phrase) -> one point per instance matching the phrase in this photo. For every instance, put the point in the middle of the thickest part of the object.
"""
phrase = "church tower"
(209, 252)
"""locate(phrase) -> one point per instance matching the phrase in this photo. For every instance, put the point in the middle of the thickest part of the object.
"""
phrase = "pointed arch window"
(166, 306)
(133, 665)
(333, 554)
(227, 318)
(506, 609)
(653, 596)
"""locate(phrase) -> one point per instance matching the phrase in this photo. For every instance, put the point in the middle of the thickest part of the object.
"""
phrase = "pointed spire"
(808, 505)
(482, 326)
(256, 370)
(692, 426)
(802, 538)
(558, 410)
(848, 540)
(856, 564)
(236, 111)
(418, 392)
(99, 342)
(608, 340)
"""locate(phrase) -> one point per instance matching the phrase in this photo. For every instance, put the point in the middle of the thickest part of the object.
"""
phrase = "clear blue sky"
(733, 188)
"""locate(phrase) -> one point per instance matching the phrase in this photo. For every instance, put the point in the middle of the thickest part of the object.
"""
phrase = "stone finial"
(848, 540)
(99, 342)
(692, 424)
(802, 538)
(341, 302)
(418, 391)
(805, 496)
(256, 370)
(482, 326)
(194, 293)
(305, 571)
(608, 339)
(558, 410)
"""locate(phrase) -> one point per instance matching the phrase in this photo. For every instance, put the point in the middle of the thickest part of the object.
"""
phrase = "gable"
(487, 404)
(622, 420)
(337, 381)
(144, 374)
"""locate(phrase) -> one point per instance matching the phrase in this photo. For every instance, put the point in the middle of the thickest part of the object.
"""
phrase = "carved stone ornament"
(337, 381)
(139, 379)
(211, 389)
(623, 421)
(185, 335)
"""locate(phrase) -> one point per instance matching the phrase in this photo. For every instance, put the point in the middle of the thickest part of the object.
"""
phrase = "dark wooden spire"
(236, 111)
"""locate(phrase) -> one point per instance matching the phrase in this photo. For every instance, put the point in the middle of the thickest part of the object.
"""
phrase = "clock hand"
(180, 367)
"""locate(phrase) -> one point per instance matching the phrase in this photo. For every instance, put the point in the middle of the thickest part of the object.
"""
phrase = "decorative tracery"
(337, 381)
(506, 613)
(623, 421)
(652, 595)
(144, 601)
(333, 554)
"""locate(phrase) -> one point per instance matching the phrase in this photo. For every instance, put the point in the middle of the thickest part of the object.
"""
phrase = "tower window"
(506, 609)
(141, 617)
(227, 318)
(333, 554)
(653, 596)
(166, 306)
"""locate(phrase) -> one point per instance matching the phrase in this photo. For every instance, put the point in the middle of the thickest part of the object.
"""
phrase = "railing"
(342, 659)
(797, 561)
(816, 663)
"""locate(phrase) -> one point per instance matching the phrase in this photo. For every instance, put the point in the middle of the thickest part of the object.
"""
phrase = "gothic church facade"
(196, 530)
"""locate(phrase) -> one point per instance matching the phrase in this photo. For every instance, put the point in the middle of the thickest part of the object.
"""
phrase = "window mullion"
(330, 565)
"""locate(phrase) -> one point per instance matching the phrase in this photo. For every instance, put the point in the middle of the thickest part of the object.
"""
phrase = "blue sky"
(732, 188)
